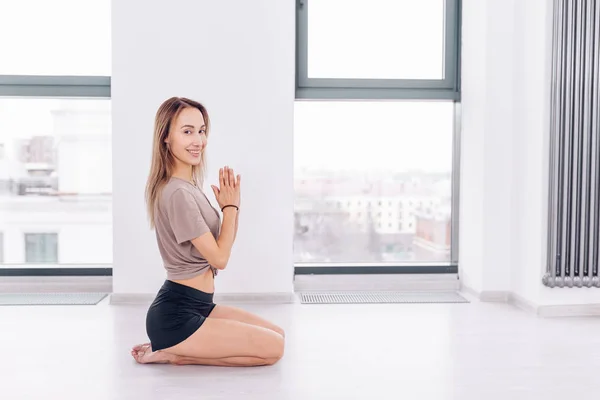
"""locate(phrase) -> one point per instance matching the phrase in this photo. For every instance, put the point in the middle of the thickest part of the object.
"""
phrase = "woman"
(183, 323)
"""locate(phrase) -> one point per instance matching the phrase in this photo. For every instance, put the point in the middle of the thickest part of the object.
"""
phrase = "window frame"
(447, 88)
(55, 86)
(418, 267)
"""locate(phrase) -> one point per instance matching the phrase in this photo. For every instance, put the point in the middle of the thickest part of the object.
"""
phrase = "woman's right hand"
(229, 191)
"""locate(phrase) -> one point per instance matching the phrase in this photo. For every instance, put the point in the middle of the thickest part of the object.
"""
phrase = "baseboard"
(522, 303)
(131, 298)
(225, 298)
(389, 282)
(545, 311)
(261, 298)
(569, 310)
(487, 296)
(494, 296)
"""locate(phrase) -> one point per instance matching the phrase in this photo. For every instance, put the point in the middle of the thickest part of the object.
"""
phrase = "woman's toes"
(139, 347)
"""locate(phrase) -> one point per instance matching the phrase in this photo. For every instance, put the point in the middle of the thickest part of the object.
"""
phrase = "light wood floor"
(432, 351)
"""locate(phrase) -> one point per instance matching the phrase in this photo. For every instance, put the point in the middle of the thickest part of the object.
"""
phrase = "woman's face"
(187, 136)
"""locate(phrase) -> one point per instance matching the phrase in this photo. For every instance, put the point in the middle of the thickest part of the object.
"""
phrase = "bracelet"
(230, 205)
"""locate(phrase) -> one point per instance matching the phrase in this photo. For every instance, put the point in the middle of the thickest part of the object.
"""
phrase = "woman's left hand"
(229, 191)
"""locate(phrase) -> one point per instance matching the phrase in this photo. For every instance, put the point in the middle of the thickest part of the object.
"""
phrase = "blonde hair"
(163, 162)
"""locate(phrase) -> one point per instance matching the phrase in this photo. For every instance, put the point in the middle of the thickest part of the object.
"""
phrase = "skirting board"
(487, 296)
(569, 310)
(545, 311)
(231, 298)
(522, 303)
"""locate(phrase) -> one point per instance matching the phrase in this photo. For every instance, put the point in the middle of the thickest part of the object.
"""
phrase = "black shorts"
(176, 313)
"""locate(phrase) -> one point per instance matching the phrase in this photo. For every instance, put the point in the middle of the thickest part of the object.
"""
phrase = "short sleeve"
(185, 218)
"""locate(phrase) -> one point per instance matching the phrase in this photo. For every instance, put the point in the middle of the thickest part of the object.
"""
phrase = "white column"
(239, 61)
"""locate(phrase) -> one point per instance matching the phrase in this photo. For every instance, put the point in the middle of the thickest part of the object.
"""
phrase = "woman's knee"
(272, 361)
(275, 348)
(279, 330)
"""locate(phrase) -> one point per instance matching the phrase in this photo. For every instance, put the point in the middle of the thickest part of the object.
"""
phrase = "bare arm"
(237, 220)
(217, 252)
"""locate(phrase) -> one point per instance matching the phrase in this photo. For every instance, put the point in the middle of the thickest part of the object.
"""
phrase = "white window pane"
(57, 37)
(56, 176)
(376, 39)
(372, 153)
(41, 248)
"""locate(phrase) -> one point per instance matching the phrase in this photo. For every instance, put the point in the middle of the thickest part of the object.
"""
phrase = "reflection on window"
(56, 176)
(383, 154)
(41, 248)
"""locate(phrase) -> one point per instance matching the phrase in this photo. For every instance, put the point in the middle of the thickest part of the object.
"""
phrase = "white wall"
(504, 173)
(531, 111)
(236, 57)
(486, 154)
(472, 141)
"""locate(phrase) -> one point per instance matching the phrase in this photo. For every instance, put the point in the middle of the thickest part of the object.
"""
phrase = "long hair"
(163, 161)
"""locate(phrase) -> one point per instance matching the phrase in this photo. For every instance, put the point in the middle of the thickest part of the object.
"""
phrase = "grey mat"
(50, 299)
(380, 297)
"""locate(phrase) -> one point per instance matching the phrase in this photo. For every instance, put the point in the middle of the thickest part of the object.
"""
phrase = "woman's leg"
(220, 342)
(143, 354)
(237, 314)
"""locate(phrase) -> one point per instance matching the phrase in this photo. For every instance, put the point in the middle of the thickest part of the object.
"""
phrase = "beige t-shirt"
(183, 213)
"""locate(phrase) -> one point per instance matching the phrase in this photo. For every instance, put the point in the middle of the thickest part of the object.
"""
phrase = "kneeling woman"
(183, 323)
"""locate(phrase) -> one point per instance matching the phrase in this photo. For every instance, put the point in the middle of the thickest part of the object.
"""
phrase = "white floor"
(430, 351)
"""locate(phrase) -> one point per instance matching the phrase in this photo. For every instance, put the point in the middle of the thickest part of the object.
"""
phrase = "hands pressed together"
(228, 192)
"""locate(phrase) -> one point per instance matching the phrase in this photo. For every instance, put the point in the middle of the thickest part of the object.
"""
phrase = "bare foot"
(143, 354)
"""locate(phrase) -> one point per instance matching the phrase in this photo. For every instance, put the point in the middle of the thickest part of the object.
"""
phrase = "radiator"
(574, 186)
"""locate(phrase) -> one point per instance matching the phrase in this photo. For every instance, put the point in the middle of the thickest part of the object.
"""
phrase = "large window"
(373, 181)
(374, 134)
(55, 135)
(375, 49)
(400, 39)
(58, 37)
(57, 175)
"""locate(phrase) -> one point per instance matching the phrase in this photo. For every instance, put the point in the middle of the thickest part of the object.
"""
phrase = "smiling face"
(187, 138)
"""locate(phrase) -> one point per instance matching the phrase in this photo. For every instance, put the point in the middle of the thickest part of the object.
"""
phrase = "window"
(41, 248)
(385, 36)
(407, 142)
(378, 49)
(55, 132)
(58, 37)
(398, 63)
(58, 173)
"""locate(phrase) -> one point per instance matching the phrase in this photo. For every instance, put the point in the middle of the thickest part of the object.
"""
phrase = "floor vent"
(380, 297)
